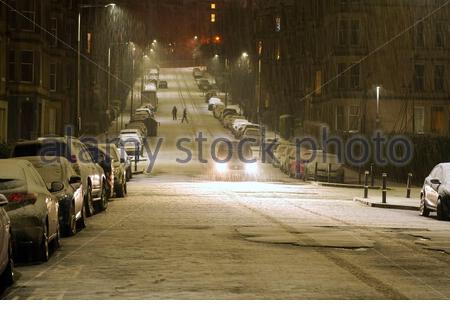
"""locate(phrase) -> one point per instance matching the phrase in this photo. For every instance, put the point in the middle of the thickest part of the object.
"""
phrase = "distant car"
(204, 85)
(217, 109)
(253, 135)
(244, 127)
(229, 119)
(70, 198)
(144, 111)
(6, 253)
(32, 208)
(241, 165)
(228, 111)
(163, 85)
(210, 94)
(136, 127)
(92, 175)
(435, 194)
(237, 124)
(197, 73)
(119, 167)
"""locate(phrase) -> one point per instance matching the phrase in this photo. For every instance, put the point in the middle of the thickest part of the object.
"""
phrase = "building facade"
(354, 65)
(40, 60)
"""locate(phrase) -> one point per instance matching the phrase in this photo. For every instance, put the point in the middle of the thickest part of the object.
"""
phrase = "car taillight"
(22, 197)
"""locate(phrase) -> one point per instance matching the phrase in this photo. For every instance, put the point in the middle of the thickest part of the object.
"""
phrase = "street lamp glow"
(196, 38)
(155, 42)
(245, 55)
(216, 56)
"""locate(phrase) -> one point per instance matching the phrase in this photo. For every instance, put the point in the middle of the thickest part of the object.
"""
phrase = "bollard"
(329, 172)
(359, 176)
(316, 169)
(384, 191)
(408, 186)
(372, 175)
(366, 184)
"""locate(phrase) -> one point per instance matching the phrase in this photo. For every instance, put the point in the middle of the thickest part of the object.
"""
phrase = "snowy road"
(179, 236)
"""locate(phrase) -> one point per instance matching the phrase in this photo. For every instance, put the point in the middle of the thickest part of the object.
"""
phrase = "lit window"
(213, 6)
(89, 42)
(213, 17)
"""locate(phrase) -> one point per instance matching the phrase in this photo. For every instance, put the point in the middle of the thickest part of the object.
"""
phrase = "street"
(179, 235)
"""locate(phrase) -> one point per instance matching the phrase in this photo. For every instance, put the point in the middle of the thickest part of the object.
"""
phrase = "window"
(89, 42)
(213, 6)
(53, 29)
(340, 118)
(355, 33)
(12, 15)
(26, 66)
(419, 120)
(420, 37)
(438, 120)
(213, 17)
(440, 35)
(27, 21)
(355, 76)
(3, 122)
(53, 77)
(277, 24)
(342, 34)
(439, 80)
(12, 65)
(419, 74)
(341, 76)
(353, 119)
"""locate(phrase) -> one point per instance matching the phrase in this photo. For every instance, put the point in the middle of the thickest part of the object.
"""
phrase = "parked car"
(239, 167)
(32, 208)
(163, 85)
(138, 127)
(237, 124)
(212, 102)
(119, 168)
(144, 111)
(92, 175)
(197, 73)
(132, 143)
(309, 159)
(435, 194)
(210, 94)
(6, 253)
(228, 111)
(217, 109)
(204, 85)
(244, 127)
(127, 163)
(106, 162)
(229, 120)
(279, 153)
(70, 198)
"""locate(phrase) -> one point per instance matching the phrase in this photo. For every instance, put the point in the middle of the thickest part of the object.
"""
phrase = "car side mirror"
(3, 201)
(56, 187)
(435, 181)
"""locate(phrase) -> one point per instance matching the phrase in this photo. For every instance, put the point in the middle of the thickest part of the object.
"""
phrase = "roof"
(13, 168)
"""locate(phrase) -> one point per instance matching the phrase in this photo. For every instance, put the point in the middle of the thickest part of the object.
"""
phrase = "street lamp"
(377, 125)
(86, 6)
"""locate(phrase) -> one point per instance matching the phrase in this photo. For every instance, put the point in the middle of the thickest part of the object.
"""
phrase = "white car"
(252, 134)
(145, 111)
(32, 208)
(229, 120)
(237, 124)
(6, 258)
(132, 143)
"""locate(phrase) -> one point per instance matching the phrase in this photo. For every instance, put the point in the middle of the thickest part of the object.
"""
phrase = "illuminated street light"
(196, 38)
(245, 55)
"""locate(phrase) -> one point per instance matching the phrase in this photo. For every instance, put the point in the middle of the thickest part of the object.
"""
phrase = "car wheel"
(89, 203)
(71, 228)
(81, 224)
(424, 211)
(442, 212)
(43, 248)
(57, 240)
(121, 191)
(7, 277)
(102, 204)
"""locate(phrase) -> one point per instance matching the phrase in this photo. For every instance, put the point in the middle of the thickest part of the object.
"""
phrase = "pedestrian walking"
(184, 116)
(174, 113)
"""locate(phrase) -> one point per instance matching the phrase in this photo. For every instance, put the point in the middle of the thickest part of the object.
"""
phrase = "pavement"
(181, 235)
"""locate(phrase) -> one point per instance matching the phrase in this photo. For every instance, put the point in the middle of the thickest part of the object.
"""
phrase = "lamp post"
(377, 124)
(79, 121)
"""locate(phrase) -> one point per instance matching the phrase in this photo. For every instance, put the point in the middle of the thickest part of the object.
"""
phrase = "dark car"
(119, 168)
(70, 199)
(106, 162)
(435, 195)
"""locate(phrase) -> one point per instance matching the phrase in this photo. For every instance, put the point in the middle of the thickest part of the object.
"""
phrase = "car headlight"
(251, 168)
(221, 167)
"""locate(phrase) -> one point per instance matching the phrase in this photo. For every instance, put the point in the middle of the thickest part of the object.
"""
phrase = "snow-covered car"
(70, 198)
(144, 111)
(136, 127)
(6, 254)
(32, 208)
(309, 159)
(435, 192)
(163, 85)
(237, 124)
(253, 135)
(92, 175)
(229, 120)
(217, 109)
(132, 143)
(244, 127)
